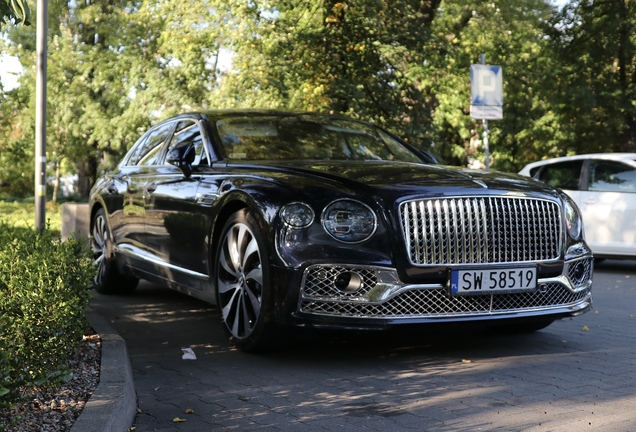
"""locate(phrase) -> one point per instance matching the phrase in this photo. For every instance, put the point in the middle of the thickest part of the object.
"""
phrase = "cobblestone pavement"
(575, 375)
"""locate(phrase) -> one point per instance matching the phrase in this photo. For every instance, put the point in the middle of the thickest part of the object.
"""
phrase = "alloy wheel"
(240, 280)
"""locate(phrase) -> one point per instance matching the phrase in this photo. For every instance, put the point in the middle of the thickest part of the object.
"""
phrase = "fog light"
(579, 272)
(348, 282)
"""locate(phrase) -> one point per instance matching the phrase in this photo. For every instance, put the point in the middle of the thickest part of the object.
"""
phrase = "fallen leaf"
(189, 411)
(466, 361)
(178, 420)
(585, 328)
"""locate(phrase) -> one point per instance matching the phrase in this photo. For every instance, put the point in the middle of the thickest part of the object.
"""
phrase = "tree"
(14, 12)
(114, 68)
(595, 86)
(349, 57)
(403, 65)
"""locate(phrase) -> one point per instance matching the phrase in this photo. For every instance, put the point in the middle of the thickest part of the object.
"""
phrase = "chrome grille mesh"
(481, 230)
(437, 303)
(319, 281)
(580, 271)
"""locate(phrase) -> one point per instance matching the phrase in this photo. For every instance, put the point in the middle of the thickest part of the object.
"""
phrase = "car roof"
(629, 157)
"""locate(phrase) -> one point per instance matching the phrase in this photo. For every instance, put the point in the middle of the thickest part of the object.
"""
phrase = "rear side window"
(562, 175)
(610, 176)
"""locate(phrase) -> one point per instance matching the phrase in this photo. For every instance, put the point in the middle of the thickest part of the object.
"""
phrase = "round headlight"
(573, 220)
(297, 215)
(349, 221)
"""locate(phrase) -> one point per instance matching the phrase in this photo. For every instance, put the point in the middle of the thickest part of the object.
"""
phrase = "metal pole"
(40, 116)
(486, 144)
(487, 163)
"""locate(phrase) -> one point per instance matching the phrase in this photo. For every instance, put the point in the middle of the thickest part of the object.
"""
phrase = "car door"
(136, 172)
(609, 208)
(176, 218)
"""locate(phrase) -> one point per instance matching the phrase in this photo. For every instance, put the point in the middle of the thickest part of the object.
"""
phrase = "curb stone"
(113, 405)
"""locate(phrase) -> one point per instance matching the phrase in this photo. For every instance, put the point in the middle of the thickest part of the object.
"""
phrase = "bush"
(44, 290)
(20, 212)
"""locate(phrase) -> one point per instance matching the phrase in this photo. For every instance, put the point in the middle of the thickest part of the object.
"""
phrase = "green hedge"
(44, 290)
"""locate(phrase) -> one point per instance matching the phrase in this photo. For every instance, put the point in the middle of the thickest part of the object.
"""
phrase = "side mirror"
(182, 157)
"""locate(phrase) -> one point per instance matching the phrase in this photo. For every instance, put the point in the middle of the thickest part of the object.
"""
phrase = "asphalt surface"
(575, 375)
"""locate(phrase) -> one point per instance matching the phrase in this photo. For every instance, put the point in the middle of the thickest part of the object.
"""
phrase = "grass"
(20, 212)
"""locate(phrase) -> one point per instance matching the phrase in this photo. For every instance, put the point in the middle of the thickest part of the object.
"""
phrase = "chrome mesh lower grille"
(437, 303)
(318, 281)
(481, 230)
(580, 271)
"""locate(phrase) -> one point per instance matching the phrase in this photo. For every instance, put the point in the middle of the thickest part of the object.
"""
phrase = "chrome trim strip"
(386, 291)
(135, 252)
(574, 309)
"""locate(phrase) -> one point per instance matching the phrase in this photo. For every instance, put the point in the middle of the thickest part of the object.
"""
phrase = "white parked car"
(604, 187)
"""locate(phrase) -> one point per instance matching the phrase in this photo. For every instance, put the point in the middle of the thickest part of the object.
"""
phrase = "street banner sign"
(486, 85)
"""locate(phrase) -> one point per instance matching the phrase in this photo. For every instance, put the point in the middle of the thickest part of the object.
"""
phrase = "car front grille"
(480, 230)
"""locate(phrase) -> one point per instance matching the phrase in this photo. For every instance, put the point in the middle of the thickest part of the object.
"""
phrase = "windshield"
(307, 138)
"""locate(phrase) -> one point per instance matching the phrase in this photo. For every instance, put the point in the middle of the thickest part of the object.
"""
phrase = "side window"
(149, 151)
(187, 133)
(563, 175)
(610, 176)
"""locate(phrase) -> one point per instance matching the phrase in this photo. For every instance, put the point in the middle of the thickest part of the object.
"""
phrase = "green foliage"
(594, 84)
(44, 289)
(20, 213)
(14, 12)
(116, 67)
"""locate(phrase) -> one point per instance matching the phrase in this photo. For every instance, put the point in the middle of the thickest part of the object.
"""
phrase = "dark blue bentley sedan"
(306, 220)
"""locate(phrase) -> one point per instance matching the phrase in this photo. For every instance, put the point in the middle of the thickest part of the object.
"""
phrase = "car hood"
(413, 179)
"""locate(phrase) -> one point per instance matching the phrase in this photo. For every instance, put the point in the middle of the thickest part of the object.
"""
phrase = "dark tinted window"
(563, 175)
(148, 152)
(187, 133)
(611, 176)
(307, 137)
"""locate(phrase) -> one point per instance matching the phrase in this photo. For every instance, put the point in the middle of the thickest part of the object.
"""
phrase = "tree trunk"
(86, 175)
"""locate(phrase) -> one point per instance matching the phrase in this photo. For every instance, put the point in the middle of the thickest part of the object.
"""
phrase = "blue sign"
(486, 85)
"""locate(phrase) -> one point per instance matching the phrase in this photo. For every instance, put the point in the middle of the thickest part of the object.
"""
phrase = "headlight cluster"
(345, 220)
(297, 215)
(573, 219)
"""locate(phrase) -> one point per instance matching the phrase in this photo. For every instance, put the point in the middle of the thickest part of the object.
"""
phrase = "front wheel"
(108, 279)
(243, 284)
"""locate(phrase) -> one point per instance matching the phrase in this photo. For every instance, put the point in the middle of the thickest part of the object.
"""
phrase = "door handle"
(590, 201)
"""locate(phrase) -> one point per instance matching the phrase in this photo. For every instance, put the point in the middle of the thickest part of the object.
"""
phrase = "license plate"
(493, 281)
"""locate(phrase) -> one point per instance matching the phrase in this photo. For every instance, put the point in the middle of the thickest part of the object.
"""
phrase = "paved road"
(575, 375)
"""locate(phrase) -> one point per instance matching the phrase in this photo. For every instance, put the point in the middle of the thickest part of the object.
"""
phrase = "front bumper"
(381, 299)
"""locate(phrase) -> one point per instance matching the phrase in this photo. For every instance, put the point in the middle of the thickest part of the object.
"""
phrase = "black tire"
(244, 285)
(108, 280)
